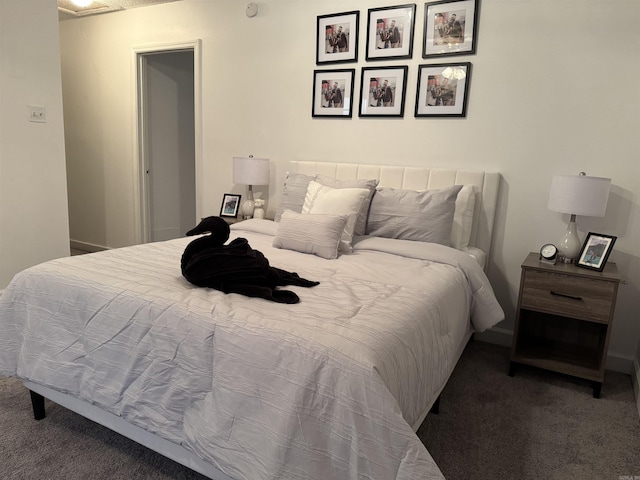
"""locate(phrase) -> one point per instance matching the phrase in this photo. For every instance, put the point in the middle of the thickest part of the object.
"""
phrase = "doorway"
(167, 140)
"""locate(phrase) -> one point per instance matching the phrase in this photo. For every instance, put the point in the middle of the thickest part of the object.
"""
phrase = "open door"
(167, 140)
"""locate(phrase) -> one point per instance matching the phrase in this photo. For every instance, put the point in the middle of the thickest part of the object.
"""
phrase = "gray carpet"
(536, 425)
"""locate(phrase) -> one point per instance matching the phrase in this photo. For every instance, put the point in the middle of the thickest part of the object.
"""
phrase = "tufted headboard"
(421, 178)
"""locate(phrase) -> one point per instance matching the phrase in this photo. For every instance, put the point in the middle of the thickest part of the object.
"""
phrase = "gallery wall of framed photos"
(442, 90)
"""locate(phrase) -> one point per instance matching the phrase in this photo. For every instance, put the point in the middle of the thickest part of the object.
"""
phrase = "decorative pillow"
(341, 201)
(371, 184)
(317, 234)
(411, 215)
(463, 218)
(293, 193)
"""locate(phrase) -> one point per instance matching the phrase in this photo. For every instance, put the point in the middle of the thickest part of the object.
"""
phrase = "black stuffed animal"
(236, 267)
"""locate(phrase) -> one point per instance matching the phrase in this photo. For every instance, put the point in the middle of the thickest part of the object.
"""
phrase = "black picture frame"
(386, 23)
(230, 205)
(378, 82)
(334, 30)
(443, 90)
(325, 84)
(450, 28)
(595, 251)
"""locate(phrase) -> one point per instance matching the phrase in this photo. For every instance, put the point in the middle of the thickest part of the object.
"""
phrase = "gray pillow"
(293, 193)
(318, 234)
(370, 184)
(411, 215)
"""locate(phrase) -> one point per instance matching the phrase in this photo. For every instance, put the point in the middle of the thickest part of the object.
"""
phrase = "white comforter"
(328, 388)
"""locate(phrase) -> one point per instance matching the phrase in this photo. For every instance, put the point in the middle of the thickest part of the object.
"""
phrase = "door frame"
(140, 201)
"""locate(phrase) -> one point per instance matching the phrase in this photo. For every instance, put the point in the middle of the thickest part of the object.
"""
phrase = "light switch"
(37, 113)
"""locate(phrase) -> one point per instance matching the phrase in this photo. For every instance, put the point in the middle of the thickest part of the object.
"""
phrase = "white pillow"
(340, 201)
(463, 218)
(370, 184)
(316, 234)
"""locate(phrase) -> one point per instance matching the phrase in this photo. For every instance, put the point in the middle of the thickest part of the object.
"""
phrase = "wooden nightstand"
(564, 318)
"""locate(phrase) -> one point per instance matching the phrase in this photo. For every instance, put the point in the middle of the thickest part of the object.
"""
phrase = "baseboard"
(87, 247)
(619, 363)
(635, 377)
(504, 337)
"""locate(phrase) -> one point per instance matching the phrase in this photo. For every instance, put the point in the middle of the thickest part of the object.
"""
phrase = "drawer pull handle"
(558, 294)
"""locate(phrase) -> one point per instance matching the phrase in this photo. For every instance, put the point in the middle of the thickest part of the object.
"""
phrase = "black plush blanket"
(235, 267)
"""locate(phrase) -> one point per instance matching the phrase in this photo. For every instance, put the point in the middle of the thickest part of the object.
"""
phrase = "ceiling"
(67, 9)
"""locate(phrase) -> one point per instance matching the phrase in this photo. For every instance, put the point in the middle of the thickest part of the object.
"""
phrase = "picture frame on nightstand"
(230, 205)
(595, 251)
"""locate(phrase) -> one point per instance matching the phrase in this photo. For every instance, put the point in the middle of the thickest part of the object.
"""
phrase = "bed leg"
(435, 408)
(37, 402)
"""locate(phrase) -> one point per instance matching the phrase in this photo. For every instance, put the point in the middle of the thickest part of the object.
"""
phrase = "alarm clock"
(549, 253)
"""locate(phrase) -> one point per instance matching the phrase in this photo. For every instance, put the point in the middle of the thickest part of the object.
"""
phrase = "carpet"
(535, 425)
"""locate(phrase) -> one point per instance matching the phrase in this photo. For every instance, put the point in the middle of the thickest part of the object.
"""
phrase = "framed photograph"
(595, 251)
(332, 93)
(443, 90)
(450, 28)
(230, 205)
(382, 91)
(390, 32)
(337, 38)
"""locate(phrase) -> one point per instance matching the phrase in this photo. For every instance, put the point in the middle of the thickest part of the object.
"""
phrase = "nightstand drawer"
(567, 295)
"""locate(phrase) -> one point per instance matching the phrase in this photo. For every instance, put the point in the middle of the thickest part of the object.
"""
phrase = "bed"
(234, 387)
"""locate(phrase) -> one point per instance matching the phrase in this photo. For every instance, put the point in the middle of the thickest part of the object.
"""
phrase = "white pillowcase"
(370, 184)
(321, 199)
(316, 234)
(463, 218)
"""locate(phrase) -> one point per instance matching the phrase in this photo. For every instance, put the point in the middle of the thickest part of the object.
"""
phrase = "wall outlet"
(37, 113)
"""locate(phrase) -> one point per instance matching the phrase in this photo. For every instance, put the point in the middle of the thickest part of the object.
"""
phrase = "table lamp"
(250, 171)
(577, 195)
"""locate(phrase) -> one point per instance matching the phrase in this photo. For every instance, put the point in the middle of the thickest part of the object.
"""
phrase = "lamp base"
(247, 209)
(569, 246)
(248, 205)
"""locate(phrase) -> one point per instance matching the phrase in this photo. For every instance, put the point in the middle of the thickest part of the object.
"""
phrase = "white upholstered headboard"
(421, 178)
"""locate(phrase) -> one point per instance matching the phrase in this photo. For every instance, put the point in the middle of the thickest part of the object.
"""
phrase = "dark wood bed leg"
(435, 408)
(597, 388)
(37, 402)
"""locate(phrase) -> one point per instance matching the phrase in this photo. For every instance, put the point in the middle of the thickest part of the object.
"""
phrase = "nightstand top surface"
(610, 272)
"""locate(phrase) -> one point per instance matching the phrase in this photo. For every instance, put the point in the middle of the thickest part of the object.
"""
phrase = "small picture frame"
(332, 93)
(390, 32)
(337, 38)
(230, 205)
(382, 91)
(443, 90)
(595, 251)
(450, 28)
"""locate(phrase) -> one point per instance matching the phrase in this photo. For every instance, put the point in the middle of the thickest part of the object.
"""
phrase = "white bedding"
(328, 388)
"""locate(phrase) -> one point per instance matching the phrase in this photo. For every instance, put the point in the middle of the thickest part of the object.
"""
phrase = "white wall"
(553, 90)
(34, 224)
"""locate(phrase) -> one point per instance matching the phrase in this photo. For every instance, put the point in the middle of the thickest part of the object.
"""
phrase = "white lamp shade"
(579, 195)
(251, 171)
